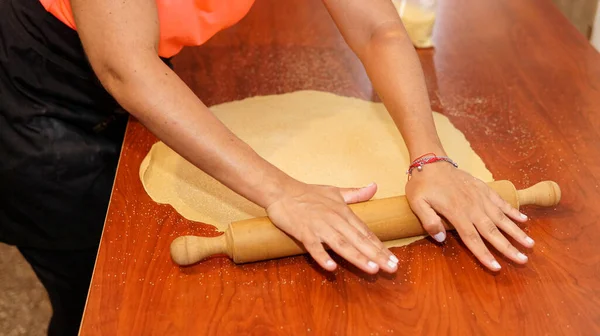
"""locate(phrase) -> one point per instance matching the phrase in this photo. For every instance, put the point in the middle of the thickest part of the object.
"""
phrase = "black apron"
(60, 134)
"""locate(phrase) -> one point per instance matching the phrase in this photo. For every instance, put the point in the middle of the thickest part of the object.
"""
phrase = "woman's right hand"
(317, 215)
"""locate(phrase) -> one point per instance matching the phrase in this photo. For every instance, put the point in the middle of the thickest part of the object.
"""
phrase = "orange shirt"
(182, 22)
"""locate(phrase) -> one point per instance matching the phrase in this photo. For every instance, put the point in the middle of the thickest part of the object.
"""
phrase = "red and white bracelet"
(428, 158)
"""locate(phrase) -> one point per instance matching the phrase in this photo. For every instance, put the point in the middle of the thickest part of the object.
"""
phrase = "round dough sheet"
(315, 137)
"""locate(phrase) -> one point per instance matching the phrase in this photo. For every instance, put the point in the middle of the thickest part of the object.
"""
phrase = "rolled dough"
(315, 137)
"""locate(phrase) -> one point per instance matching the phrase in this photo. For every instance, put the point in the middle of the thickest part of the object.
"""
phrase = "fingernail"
(329, 263)
(439, 237)
(521, 256)
(370, 185)
(495, 265)
(394, 259)
(529, 241)
(372, 265)
(392, 264)
(524, 216)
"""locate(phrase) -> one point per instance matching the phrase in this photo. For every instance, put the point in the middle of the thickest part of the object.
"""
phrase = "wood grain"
(514, 76)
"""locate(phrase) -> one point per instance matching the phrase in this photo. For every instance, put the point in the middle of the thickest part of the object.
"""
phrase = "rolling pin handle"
(187, 250)
(545, 193)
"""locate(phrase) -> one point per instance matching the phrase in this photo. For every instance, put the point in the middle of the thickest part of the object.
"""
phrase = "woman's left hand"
(473, 208)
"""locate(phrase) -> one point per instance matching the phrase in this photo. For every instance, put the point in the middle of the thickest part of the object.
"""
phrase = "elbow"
(118, 74)
(128, 81)
(113, 76)
(386, 35)
(390, 32)
(110, 76)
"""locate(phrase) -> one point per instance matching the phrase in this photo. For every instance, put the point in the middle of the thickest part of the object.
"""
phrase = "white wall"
(595, 40)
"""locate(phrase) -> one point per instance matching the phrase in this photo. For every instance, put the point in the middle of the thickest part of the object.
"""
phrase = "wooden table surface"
(513, 75)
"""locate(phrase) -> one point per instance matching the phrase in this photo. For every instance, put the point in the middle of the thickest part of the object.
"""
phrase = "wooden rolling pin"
(389, 218)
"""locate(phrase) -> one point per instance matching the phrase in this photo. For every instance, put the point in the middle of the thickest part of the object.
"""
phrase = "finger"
(432, 223)
(487, 227)
(505, 224)
(317, 251)
(367, 242)
(469, 235)
(346, 250)
(508, 226)
(507, 208)
(356, 195)
(365, 230)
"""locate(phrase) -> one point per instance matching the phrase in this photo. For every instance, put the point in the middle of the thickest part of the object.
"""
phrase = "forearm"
(155, 95)
(375, 33)
(395, 71)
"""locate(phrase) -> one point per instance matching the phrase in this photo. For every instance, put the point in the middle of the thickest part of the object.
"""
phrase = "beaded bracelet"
(428, 158)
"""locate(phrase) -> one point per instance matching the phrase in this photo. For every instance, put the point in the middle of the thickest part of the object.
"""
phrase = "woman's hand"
(315, 214)
(473, 208)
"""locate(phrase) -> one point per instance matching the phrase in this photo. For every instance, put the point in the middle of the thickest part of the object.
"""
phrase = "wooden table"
(513, 75)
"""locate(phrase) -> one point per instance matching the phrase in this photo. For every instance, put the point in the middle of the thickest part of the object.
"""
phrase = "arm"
(120, 38)
(376, 34)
